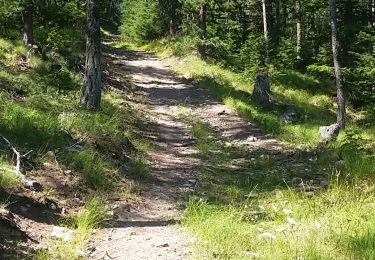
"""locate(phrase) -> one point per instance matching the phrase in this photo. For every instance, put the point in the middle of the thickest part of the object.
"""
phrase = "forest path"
(149, 231)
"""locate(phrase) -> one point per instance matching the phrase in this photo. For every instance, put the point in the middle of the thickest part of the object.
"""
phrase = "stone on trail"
(328, 133)
(63, 233)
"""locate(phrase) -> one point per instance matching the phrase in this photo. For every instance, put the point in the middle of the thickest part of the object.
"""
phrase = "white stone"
(62, 233)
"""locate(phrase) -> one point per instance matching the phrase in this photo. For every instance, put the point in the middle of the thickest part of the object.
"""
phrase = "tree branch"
(26, 183)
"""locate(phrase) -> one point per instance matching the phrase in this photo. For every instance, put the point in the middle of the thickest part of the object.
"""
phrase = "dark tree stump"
(262, 91)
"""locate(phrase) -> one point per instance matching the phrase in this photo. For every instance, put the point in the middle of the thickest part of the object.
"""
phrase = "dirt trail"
(149, 231)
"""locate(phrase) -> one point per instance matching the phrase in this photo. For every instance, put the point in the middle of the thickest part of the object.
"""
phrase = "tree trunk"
(277, 22)
(173, 19)
(338, 75)
(202, 30)
(262, 91)
(27, 16)
(371, 13)
(265, 30)
(91, 91)
(298, 29)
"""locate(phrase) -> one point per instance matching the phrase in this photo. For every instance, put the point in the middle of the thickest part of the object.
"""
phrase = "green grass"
(97, 170)
(338, 224)
(139, 167)
(8, 179)
(239, 209)
(242, 195)
(173, 46)
(235, 91)
(83, 223)
(310, 95)
(40, 111)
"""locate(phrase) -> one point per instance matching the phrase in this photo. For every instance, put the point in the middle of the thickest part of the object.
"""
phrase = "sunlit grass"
(337, 224)
(83, 223)
(253, 212)
(8, 178)
(40, 111)
(312, 97)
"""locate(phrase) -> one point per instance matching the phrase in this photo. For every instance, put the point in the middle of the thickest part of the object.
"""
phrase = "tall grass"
(8, 179)
(338, 224)
(83, 223)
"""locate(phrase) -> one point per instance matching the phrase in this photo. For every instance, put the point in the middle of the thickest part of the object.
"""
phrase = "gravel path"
(149, 231)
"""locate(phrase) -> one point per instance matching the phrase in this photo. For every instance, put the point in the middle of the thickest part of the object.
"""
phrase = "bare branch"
(26, 183)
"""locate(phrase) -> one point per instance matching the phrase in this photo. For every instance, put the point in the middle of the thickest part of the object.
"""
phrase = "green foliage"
(286, 54)
(91, 216)
(173, 46)
(139, 167)
(324, 229)
(95, 168)
(321, 71)
(8, 179)
(253, 53)
(140, 21)
(88, 218)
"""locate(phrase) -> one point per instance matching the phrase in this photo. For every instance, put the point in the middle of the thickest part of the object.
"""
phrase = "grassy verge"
(261, 204)
(83, 224)
(97, 153)
(312, 97)
(315, 203)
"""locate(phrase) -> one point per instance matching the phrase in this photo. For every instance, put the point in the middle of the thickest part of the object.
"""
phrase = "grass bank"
(76, 154)
(311, 201)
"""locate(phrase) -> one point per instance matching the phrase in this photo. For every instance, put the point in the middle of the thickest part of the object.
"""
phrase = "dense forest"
(244, 127)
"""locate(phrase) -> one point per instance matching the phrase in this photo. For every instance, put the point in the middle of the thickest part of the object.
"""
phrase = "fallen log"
(25, 182)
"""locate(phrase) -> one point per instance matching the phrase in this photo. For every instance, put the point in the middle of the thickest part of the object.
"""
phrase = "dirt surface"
(149, 230)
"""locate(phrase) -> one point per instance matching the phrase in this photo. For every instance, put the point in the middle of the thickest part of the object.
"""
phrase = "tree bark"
(91, 91)
(298, 29)
(371, 13)
(28, 19)
(265, 30)
(262, 91)
(202, 30)
(338, 75)
(277, 22)
(173, 24)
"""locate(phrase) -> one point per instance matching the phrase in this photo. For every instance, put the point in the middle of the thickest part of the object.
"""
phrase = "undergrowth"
(40, 111)
(258, 203)
(311, 96)
(83, 223)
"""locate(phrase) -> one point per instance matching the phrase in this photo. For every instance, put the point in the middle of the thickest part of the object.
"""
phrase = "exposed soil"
(35, 213)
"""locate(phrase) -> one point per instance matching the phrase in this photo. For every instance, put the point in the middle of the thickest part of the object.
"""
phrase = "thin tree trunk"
(277, 23)
(265, 30)
(338, 75)
(28, 28)
(202, 30)
(298, 29)
(371, 13)
(91, 91)
(173, 19)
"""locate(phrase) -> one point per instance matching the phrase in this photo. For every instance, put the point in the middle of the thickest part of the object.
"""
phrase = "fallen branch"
(25, 182)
